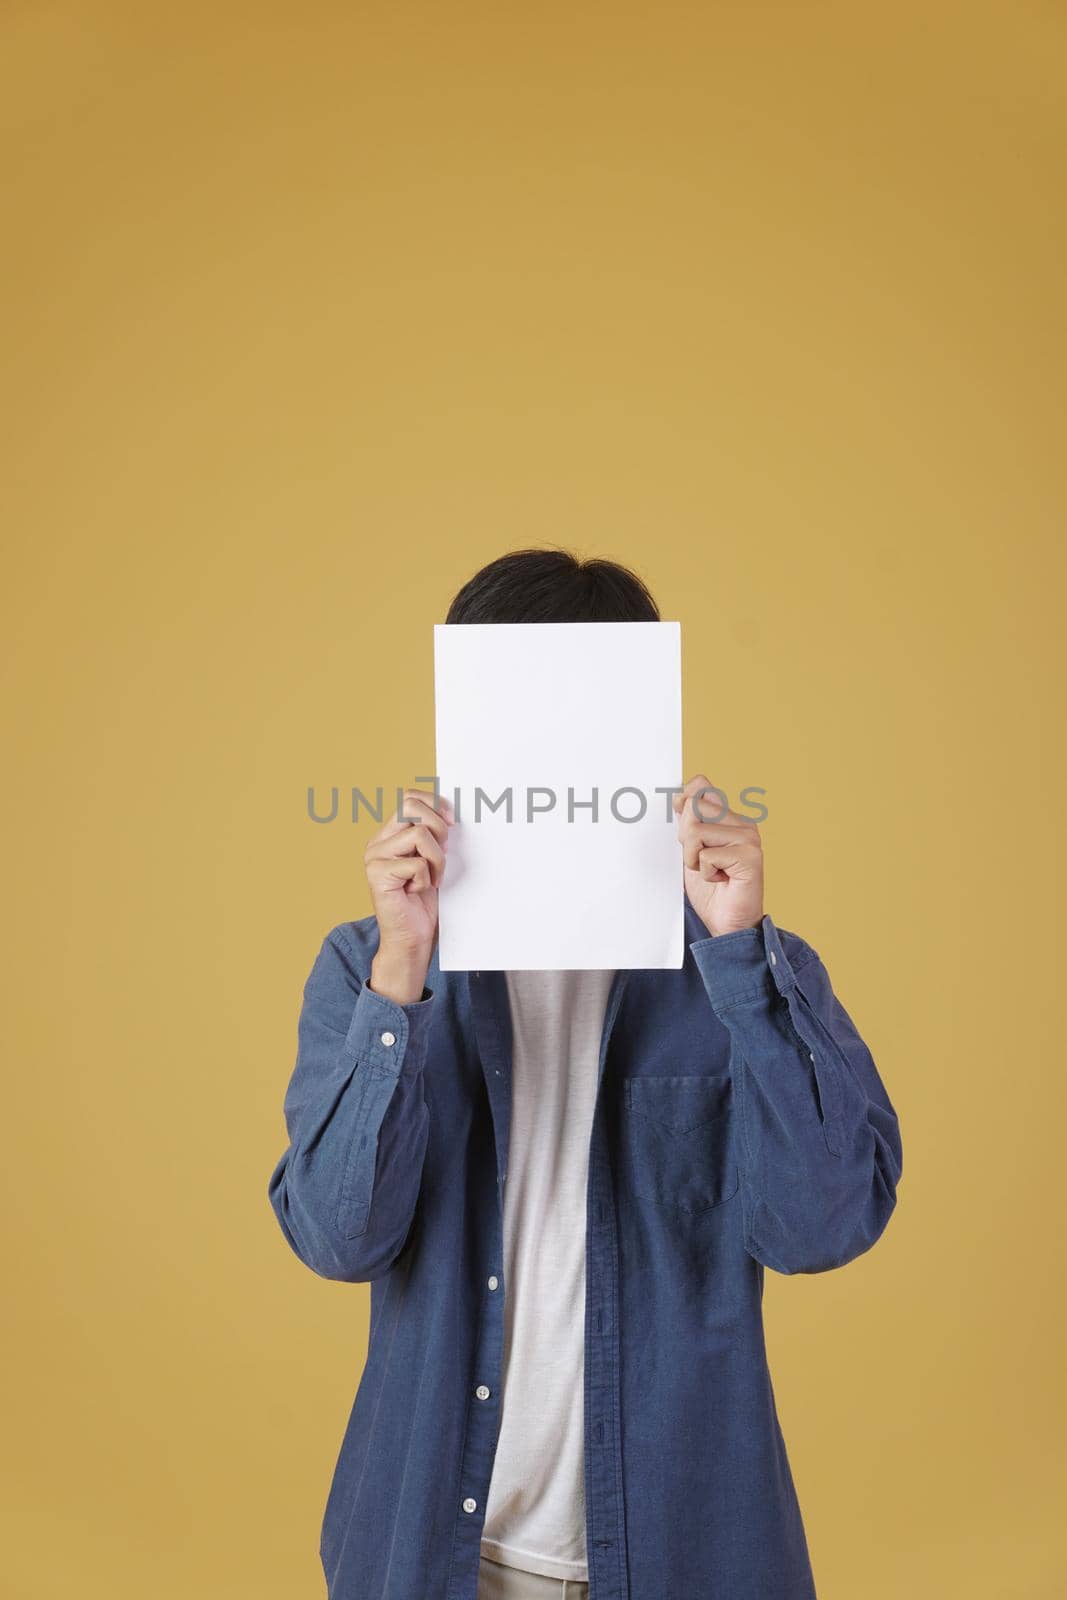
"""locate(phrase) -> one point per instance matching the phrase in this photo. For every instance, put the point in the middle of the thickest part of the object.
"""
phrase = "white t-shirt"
(535, 1509)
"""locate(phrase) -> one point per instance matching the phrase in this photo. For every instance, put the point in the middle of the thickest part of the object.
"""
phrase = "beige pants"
(498, 1582)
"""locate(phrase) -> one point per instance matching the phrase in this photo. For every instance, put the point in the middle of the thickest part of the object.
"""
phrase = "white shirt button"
(494, 1281)
(774, 959)
(469, 1504)
(482, 1392)
(388, 1038)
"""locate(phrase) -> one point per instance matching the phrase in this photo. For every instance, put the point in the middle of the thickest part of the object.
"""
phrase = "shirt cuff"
(388, 1034)
(746, 965)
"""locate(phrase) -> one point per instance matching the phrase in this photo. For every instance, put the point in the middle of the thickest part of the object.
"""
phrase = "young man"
(564, 1188)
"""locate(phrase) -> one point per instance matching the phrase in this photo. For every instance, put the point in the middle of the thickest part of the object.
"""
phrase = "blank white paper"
(584, 711)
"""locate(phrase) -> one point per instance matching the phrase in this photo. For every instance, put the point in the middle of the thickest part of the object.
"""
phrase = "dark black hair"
(553, 585)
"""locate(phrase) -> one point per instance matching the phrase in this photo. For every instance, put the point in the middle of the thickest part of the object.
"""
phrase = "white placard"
(555, 715)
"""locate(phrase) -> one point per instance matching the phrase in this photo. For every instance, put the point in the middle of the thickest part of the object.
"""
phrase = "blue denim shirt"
(740, 1124)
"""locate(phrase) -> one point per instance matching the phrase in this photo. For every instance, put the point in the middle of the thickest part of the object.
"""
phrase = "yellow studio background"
(312, 310)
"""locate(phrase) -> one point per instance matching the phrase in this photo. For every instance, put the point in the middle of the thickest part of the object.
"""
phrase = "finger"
(416, 840)
(702, 800)
(713, 813)
(727, 840)
(423, 806)
(699, 781)
(390, 873)
(731, 861)
(418, 804)
(709, 870)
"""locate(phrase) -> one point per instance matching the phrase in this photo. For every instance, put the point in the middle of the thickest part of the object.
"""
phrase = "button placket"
(478, 1449)
(488, 1001)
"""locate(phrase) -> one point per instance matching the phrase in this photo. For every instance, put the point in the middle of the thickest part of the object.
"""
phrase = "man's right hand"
(405, 862)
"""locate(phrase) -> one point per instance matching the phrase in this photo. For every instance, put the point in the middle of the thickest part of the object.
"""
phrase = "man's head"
(552, 585)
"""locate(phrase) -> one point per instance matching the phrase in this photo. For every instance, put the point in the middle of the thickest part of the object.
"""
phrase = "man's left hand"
(723, 856)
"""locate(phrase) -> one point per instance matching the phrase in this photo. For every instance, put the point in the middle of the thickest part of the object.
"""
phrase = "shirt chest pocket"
(676, 1140)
